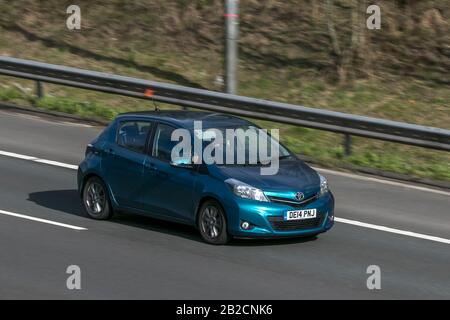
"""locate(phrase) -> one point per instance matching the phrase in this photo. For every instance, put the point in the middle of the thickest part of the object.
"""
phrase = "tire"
(212, 223)
(96, 199)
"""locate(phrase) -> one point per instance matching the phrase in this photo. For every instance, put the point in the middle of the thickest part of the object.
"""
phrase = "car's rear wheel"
(212, 223)
(96, 199)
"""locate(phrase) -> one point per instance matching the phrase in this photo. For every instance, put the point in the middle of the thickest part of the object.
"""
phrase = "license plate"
(300, 214)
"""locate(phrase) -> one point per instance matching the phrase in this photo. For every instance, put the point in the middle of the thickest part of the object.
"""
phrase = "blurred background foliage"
(414, 39)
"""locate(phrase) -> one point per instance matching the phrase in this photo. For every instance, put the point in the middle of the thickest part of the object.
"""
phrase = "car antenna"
(155, 105)
(149, 94)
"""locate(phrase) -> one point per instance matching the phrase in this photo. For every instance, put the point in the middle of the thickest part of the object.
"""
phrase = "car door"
(168, 190)
(123, 162)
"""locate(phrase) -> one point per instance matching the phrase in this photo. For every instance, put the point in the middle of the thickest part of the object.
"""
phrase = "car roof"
(184, 118)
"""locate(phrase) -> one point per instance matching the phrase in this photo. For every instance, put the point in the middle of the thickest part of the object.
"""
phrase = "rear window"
(133, 135)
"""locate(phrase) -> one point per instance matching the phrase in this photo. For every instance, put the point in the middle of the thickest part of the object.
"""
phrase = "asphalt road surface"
(134, 257)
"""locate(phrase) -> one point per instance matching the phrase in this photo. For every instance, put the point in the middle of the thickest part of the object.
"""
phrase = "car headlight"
(324, 188)
(246, 191)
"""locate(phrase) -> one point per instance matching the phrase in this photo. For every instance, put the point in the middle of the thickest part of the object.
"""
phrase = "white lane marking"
(22, 216)
(73, 124)
(389, 182)
(342, 220)
(41, 119)
(57, 164)
(332, 172)
(392, 230)
(16, 155)
(34, 159)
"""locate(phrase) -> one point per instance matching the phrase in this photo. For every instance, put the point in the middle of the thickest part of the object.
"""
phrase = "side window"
(133, 135)
(162, 143)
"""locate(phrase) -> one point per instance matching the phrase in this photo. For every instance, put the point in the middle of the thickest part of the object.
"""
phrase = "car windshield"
(244, 145)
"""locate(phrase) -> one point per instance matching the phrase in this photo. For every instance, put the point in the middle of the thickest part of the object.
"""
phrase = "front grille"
(293, 203)
(279, 224)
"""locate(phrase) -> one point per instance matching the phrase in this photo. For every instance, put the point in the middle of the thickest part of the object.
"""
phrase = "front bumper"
(266, 218)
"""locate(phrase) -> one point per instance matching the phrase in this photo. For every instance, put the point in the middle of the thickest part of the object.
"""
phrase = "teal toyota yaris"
(129, 168)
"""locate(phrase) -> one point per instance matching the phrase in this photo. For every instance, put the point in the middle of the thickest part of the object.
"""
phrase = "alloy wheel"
(211, 222)
(95, 198)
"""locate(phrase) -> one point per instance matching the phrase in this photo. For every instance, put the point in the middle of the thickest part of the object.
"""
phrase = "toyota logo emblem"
(299, 196)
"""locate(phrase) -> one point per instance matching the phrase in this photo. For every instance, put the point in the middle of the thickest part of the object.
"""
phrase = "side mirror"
(182, 163)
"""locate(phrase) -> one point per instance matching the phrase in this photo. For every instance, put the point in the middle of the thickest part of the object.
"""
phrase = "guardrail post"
(39, 89)
(347, 145)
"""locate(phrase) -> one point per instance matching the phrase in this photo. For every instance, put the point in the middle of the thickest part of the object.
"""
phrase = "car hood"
(293, 175)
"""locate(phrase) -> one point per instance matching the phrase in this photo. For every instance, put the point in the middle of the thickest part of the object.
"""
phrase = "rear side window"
(133, 135)
(162, 143)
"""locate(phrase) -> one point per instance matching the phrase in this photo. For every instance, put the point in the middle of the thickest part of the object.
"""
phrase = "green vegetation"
(85, 109)
(399, 72)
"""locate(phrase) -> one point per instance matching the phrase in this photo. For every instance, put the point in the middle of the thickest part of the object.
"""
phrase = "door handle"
(110, 151)
(151, 166)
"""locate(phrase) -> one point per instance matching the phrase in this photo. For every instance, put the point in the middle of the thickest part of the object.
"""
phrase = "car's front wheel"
(212, 223)
(96, 199)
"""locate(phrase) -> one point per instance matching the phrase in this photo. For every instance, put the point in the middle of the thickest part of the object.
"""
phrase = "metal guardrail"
(348, 124)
